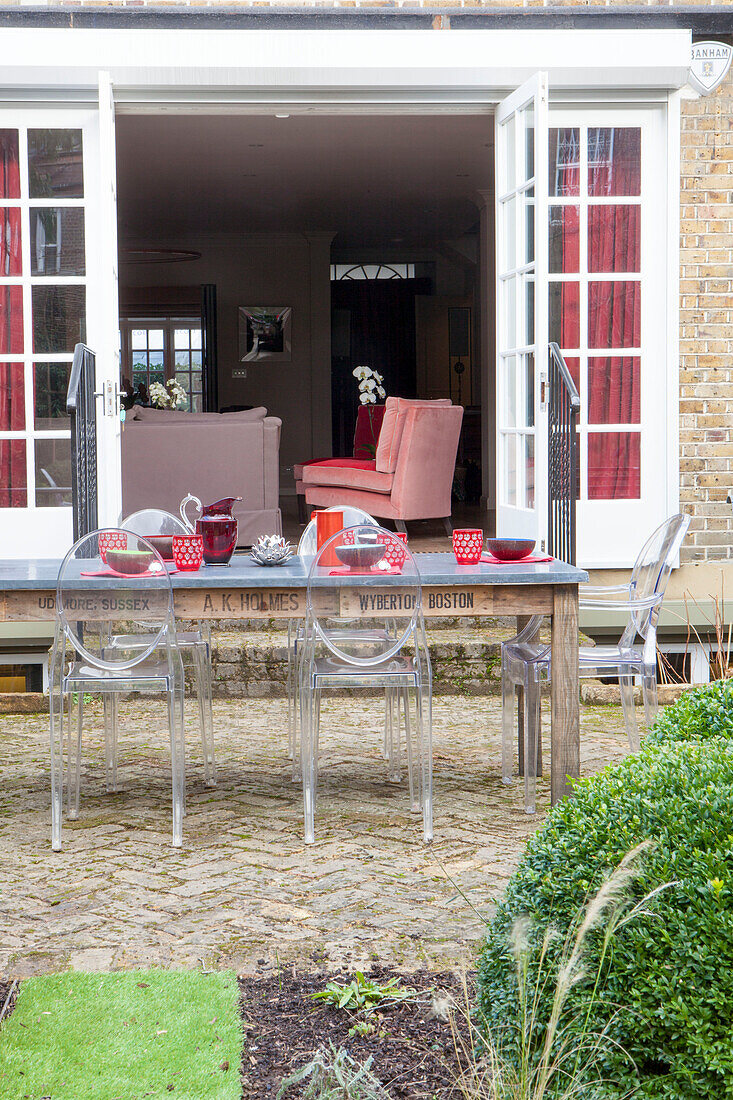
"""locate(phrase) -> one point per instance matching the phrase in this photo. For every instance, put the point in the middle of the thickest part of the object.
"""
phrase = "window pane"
(181, 338)
(510, 391)
(509, 214)
(529, 311)
(59, 320)
(510, 312)
(10, 253)
(57, 241)
(182, 359)
(529, 226)
(510, 165)
(564, 161)
(12, 397)
(614, 238)
(196, 360)
(564, 244)
(614, 315)
(11, 319)
(155, 359)
(156, 337)
(510, 469)
(9, 165)
(50, 383)
(53, 473)
(564, 314)
(527, 117)
(139, 338)
(13, 483)
(614, 390)
(196, 338)
(55, 164)
(527, 382)
(197, 406)
(614, 160)
(529, 471)
(614, 466)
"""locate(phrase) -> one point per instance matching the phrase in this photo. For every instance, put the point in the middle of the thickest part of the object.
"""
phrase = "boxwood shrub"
(698, 715)
(667, 987)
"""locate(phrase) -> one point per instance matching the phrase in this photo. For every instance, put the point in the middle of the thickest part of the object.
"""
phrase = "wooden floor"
(424, 535)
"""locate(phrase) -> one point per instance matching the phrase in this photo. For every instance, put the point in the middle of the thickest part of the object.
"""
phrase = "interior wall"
(285, 270)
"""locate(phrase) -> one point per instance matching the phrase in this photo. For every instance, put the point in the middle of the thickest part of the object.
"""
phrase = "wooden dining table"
(244, 590)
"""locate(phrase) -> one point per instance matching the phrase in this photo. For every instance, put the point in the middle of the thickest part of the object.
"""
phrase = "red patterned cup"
(395, 553)
(467, 545)
(111, 540)
(188, 552)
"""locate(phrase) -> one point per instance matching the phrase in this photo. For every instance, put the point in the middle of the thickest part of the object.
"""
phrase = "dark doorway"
(373, 323)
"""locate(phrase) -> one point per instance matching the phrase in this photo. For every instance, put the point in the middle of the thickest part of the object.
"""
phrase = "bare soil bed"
(417, 1053)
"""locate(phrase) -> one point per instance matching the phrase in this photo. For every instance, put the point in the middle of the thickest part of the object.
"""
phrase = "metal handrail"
(562, 442)
(81, 407)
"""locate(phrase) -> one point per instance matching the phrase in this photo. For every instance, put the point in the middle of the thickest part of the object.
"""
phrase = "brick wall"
(706, 336)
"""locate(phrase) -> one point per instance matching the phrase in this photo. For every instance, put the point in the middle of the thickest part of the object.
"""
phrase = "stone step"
(465, 659)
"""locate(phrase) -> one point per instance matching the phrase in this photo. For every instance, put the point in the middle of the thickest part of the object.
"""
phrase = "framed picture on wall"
(264, 333)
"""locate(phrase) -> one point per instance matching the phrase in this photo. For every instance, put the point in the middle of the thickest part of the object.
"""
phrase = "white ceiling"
(375, 181)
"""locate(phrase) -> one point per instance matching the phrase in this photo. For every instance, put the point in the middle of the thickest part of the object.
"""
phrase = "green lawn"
(142, 1033)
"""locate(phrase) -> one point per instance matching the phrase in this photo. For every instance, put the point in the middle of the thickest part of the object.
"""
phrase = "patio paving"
(244, 891)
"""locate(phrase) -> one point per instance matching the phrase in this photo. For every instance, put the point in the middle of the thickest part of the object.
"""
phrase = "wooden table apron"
(559, 601)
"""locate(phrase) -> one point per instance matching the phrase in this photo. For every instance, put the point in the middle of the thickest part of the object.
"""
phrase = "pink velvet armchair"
(366, 437)
(412, 474)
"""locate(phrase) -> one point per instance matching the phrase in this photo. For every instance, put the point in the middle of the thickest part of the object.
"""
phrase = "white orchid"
(170, 396)
(370, 385)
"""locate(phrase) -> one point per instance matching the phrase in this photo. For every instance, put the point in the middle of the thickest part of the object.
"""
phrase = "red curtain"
(12, 389)
(614, 308)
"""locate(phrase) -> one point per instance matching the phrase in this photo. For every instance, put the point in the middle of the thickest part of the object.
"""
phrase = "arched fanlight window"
(372, 271)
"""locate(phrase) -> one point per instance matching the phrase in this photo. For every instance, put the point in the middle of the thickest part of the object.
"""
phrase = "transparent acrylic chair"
(371, 635)
(159, 527)
(93, 602)
(526, 662)
(307, 549)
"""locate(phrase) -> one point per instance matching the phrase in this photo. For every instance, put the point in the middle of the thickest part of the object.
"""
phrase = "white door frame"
(360, 71)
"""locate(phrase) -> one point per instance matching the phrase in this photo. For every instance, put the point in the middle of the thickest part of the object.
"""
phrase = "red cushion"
(349, 463)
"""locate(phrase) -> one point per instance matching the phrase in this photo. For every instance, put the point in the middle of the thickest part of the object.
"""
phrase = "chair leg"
(394, 735)
(651, 700)
(56, 731)
(308, 759)
(74, 761)
(413, 764)
(401, 526)
(448, 526)
(302, 514)
(176, 722)
(507, 727)
(532, 698)
(626, 684)
(425, 749)
(206, 715)
(387, 743)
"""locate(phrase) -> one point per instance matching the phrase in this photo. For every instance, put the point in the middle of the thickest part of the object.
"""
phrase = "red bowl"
(510, 549)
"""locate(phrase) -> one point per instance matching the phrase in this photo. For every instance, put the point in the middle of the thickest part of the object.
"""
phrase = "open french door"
(58, 256)
(521, 309)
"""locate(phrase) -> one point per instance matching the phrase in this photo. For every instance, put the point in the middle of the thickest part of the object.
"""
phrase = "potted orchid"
(169, 396)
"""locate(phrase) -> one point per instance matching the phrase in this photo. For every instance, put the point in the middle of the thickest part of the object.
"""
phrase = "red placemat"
(489, 559)
(127, 576)
(372, 572)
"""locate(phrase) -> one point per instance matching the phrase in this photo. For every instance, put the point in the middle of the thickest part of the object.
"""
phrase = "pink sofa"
(166, 454)
(412, 475)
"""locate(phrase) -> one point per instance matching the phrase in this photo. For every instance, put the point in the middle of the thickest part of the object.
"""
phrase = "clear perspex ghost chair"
(526, 662)
(364, 627)
(159, 527)
(307, 549)
(97, 599)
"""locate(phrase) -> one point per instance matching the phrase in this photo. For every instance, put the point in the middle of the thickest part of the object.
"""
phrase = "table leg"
(522, 621)
(565, 703)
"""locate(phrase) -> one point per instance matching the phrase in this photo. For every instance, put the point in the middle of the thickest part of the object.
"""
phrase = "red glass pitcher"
(216, 525)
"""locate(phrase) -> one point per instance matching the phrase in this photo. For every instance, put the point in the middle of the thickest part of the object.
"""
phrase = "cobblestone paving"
(244, 891)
